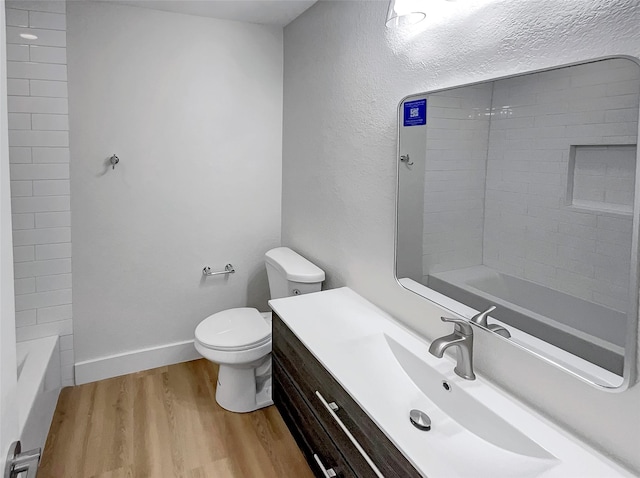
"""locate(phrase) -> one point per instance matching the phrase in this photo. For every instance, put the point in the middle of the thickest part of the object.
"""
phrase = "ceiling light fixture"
(403, 12)
(28, 36)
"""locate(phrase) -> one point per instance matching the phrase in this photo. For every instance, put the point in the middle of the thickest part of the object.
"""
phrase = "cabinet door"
(323, 457)
(311, 377)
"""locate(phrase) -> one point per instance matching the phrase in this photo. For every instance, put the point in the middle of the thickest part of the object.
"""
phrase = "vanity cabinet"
(336, 436)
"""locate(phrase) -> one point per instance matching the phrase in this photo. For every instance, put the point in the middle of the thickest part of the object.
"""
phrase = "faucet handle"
(481, 317)
(461, 325)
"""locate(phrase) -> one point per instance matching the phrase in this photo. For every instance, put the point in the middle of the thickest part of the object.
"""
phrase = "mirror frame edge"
(630, 376)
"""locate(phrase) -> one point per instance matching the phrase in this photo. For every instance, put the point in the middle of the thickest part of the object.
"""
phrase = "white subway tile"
(21, 188)
(45, 37)
(25, 286)
(54, 282)
(17, 87)
(22, 221)
(41, 204)
(48, 54)
(53, 219)
(50, 21)
(51, 314)
(66, 357)
(48, 235)
(39, 171)
(622, 115)
(58, 187)
(51, 155)
(17, 52)
(49, 122)
(613, 236)
(52, 6)
(33, 104)
(42, 268)
(39, 138)
(61, 327)
(25, 318)
(43, 299)
(19, 155)
(623, 224)
(68, 376)
(23, 254)
(19, 121)
(16, 18)
(53, 251)
(52, 89)
(36, 71)
(66, 342)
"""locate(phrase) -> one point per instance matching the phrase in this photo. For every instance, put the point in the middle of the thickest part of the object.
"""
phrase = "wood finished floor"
(165, 423)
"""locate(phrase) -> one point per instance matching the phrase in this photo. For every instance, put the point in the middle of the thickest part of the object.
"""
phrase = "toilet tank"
(291, 274)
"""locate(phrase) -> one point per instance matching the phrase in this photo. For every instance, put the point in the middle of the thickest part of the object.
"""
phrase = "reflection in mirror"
(519, 193)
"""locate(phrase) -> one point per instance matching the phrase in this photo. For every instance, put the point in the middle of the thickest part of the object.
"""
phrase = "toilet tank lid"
(293, 266)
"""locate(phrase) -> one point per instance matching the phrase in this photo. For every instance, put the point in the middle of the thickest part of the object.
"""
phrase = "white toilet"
(240, 339)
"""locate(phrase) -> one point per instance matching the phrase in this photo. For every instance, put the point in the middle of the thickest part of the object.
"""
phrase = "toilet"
(239, 339)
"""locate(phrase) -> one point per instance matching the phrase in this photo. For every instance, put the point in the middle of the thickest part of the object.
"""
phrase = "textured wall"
(193, 108)
(344, 76)
(40, 190)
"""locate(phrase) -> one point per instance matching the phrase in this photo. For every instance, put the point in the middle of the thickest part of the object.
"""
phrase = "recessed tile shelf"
(602, 178)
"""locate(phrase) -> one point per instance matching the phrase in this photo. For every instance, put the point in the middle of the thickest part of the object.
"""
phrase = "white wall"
(535, 229)
(39, 155)
(193, 108)
(344, 76)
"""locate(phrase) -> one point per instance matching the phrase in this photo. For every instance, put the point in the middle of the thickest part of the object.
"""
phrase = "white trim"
(134, 361)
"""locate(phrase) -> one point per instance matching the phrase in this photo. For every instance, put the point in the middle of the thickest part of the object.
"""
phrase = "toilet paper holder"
(228, 269)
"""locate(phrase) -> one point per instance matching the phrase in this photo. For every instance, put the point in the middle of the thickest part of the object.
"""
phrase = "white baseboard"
(134, 361)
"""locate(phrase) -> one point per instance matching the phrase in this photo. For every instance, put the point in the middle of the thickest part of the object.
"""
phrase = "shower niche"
(602, 177)
(521, 193)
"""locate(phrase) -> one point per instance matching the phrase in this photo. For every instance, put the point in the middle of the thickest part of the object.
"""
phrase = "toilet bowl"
(239, 339)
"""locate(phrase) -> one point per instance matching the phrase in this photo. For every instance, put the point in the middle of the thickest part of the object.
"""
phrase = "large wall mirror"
(520, 193)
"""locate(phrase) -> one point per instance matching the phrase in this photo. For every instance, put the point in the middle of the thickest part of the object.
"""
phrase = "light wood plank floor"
(165, 423)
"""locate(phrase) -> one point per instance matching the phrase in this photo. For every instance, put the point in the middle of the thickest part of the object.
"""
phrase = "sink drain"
(420, 420)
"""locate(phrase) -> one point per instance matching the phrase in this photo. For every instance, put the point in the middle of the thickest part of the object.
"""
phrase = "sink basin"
(477, 431)
(476, 417)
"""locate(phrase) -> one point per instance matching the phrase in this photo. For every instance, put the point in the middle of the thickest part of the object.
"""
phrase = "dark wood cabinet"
(321, 415)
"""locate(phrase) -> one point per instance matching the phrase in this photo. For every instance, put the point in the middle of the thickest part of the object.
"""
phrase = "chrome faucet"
(481, 319)
(462, 339)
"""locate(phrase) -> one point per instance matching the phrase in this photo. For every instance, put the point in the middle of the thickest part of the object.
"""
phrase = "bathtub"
(587, 330)
(39, 383)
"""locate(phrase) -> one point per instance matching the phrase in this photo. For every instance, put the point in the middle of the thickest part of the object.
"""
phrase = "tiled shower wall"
(455, 168)
(40, 189)
(532, 229)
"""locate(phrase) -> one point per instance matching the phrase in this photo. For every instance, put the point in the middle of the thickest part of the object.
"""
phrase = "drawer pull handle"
(350, 436)
(328, 473)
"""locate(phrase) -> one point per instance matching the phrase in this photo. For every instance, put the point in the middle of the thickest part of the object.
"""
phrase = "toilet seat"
(234, 330)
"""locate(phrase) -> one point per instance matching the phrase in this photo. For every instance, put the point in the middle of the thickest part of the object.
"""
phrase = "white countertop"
(350, 337)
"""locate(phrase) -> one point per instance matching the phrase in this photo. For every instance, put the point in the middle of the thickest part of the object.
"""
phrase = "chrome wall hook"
(114, 160)
(405, 159)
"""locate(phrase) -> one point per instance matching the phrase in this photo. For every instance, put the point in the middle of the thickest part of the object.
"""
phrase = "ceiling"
(267, 12)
